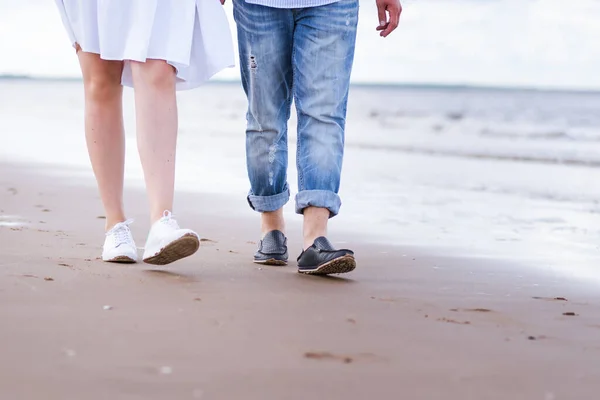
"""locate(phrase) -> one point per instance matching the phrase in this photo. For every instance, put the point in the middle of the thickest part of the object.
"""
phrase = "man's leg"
(324, 42)
(265, 38)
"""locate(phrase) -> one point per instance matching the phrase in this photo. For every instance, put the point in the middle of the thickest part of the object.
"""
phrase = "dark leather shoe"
(323, 259)
(272, 249)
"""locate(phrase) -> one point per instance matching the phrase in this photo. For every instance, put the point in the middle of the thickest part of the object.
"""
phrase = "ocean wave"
(541, 135)
(440, 152)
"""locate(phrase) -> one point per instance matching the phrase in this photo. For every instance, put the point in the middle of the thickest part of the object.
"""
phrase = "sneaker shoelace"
(121, 233)
(168, 220)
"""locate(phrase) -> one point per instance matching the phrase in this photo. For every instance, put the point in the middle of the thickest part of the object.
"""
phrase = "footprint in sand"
(550, 298)
(391, 299)
(453, 321)
(323, 355)
(345, 359)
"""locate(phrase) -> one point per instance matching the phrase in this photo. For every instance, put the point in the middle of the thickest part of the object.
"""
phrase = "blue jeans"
(305, 55)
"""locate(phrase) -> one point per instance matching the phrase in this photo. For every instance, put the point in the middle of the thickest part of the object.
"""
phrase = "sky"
(523, 43)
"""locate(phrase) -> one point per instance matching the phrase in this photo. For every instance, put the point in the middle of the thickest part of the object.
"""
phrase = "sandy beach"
(478, 173)
(408, 323)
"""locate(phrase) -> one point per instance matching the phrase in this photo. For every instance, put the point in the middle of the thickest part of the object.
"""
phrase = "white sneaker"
(119, 245)
(167, 242)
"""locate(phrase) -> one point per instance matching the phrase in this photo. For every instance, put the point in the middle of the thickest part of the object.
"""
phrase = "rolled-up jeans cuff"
(318, 198)
(269, 203)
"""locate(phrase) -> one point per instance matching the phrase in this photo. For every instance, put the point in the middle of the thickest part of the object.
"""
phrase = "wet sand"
(408, 323)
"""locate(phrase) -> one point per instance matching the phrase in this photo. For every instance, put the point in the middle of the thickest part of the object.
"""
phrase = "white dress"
(191, 35)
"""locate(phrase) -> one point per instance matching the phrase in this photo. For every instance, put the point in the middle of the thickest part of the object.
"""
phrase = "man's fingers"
(382, 16)
(398, 15)
(394, 11)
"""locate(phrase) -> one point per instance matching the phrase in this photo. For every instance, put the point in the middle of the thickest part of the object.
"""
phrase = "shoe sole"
(271, 261)
(183, 247)
(340, 265)
(122, 260)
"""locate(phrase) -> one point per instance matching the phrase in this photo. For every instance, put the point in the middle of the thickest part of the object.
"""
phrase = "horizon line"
(380, 85)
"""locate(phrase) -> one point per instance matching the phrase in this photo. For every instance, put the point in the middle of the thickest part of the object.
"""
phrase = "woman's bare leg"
(104, 130)
(156, 116)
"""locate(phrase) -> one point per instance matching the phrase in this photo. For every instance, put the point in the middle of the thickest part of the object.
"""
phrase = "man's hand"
(389, 16)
